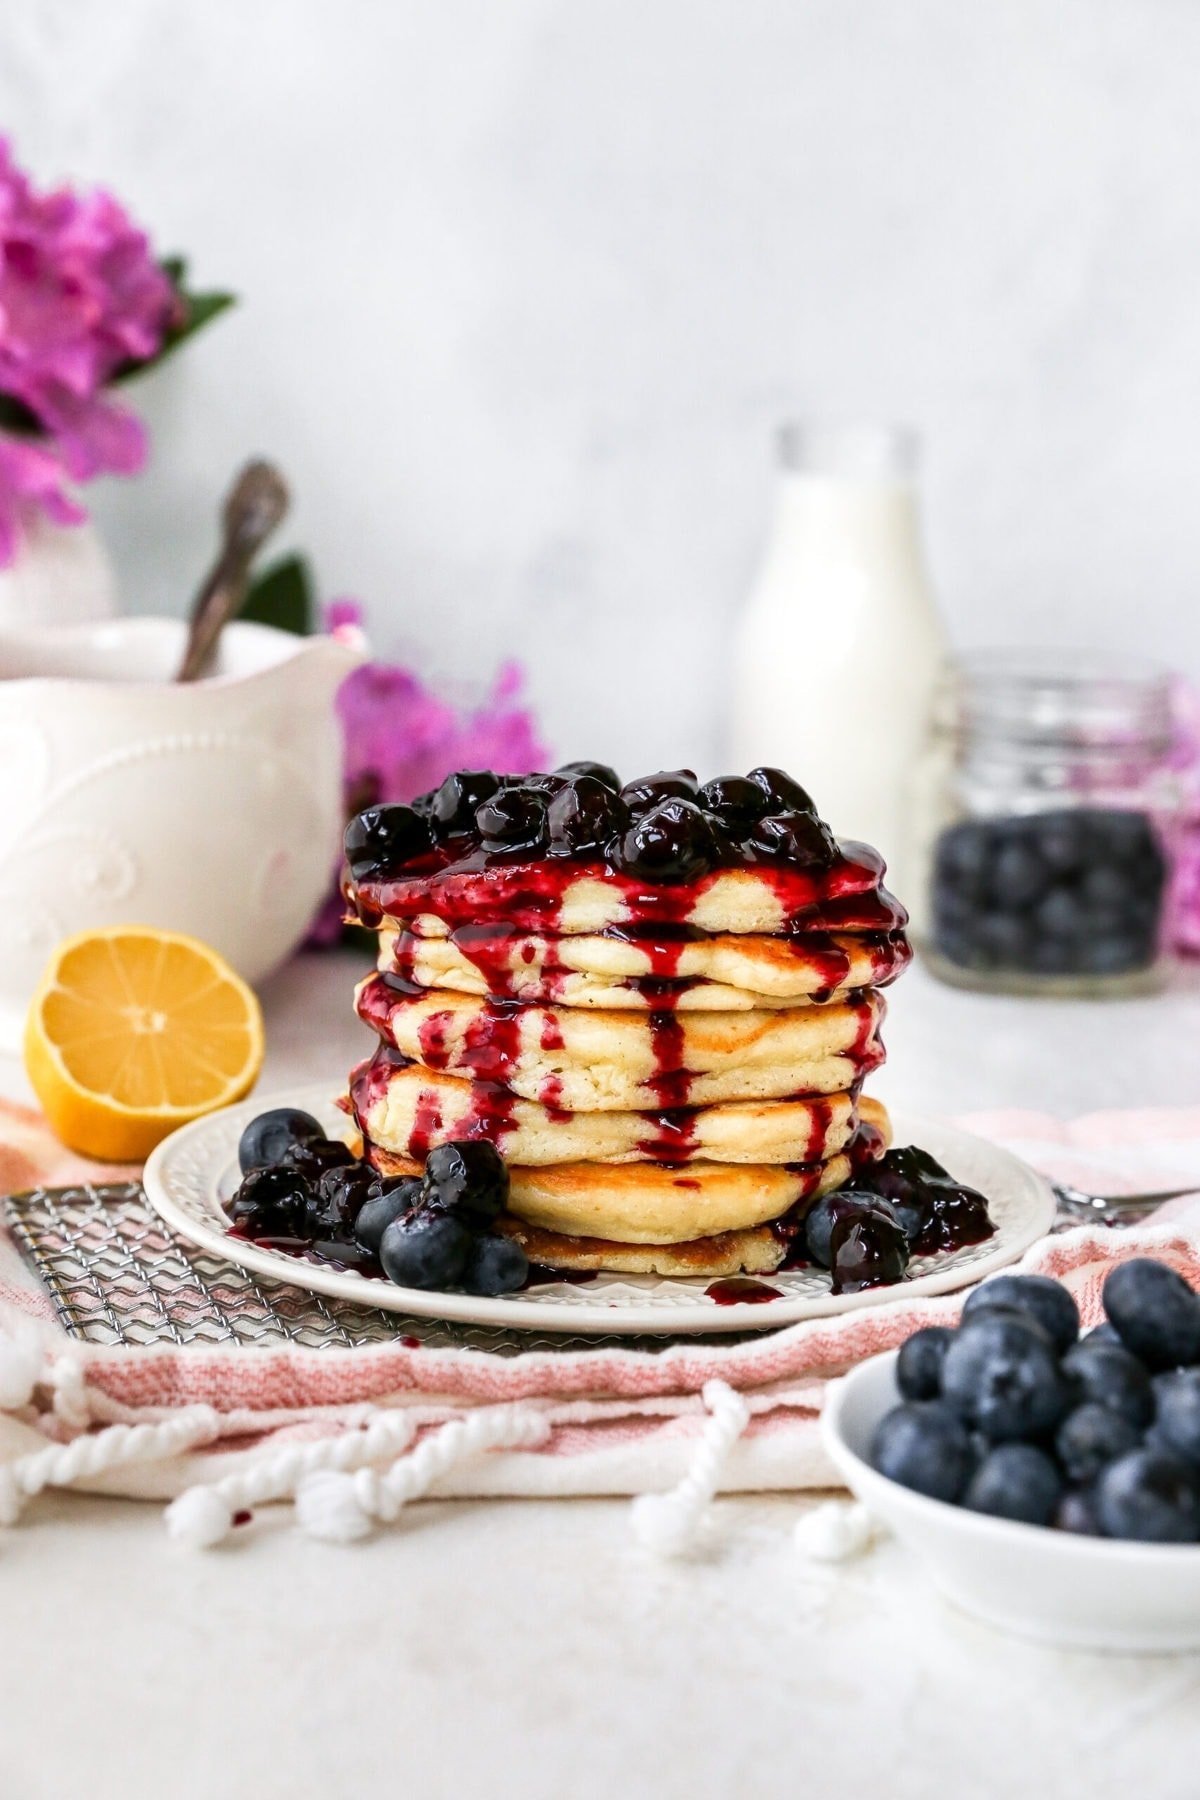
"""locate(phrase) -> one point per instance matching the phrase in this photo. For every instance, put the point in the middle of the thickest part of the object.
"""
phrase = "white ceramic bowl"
(1091, 1593)
(125, 798)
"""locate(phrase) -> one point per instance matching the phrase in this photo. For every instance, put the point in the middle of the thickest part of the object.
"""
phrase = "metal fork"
(1076, 1207)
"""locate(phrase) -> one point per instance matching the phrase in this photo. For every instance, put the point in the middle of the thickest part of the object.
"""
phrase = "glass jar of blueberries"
(1045, 814)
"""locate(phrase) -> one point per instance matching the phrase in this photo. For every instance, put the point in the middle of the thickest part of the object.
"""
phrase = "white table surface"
(528, 1648)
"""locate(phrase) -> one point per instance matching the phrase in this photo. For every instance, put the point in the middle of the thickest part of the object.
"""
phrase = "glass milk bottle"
(840, 645)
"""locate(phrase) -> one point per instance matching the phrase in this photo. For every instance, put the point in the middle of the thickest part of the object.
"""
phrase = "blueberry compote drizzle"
(741, 1290)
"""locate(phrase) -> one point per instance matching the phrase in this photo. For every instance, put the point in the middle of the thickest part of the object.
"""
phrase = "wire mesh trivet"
(117, 1275)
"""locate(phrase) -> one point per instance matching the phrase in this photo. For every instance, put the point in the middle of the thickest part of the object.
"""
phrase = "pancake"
(725, 972)
(585, 1061)
(768, 898)
(415, 1108)
(650, 1203)
(754, 1252)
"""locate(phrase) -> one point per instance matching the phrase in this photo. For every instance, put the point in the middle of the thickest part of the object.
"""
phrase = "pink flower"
(81, 298)
(402, 740)
(30, 476)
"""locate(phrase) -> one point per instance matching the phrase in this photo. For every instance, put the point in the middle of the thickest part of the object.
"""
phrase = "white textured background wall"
(527, 284)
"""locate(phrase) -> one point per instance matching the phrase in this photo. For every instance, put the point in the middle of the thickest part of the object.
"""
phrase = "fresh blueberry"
(1177, 1413)
(1061, 839)
(735, 804)
(586, 817)
(513, 819)
(1155, 1311)
(923, 1446)
(381, 839)
(1116, 953)
(1061, 914)
(962, 859)
(919, 1363)
(469, 1180)
(650, 790)
(1151, 1496)
(783, 794)
(454, 805)
(795, 837)
(1008, 940)
(1077, 1513)
(267, 1137)
(869, 1250)
(594, 771)
(1001, 1374)
(425, 1250)
(495, 1265)
(1015, 1481)
(1103, 1333)
(672, 842)
(271, 1203)
(1019, 876)
(1106, 1372)
(1090, 1438)
(1047, 1301)
(392, 1201)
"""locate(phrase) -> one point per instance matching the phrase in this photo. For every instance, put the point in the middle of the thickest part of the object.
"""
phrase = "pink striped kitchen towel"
(353, 1434)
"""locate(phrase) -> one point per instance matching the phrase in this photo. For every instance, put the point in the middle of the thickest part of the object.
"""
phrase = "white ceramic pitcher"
(212, 808)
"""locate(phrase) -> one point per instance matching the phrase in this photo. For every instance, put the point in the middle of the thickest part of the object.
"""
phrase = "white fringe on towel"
(668, 1523)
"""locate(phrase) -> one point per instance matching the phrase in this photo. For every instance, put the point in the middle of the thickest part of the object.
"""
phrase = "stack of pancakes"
(672, 1072)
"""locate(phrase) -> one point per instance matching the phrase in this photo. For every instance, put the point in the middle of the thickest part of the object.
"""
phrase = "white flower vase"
(61, 575)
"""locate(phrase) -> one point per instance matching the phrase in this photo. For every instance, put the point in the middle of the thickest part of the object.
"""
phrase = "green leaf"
(198, 311)
(283, 596)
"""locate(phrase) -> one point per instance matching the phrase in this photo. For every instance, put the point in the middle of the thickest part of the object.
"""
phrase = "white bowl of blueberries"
(1049, 1481)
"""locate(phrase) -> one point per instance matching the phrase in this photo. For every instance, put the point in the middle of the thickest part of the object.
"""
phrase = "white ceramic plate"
(189, 1176)
(1087, 1592)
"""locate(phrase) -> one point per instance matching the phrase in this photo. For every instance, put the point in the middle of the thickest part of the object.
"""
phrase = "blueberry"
(1061, 915)
(513, 819)
(1103, 1333)
(1151, 1496)
(314, 1158)
(547, 785)
(1062, 841)
(585, 818)
(454, 805)
(267, 1137)
(962, 859)
(381, 839)
(923, 1446)
(1019, 876)
(495, 1265)
(796, 837)
(827, 1212)
(783, 794)
(1077, 1513)
(1007, 940)
(1002, 1375)
(594, 771)
(1116, 953)
(672, 842)
(734, 803)
(271, 1203)
(392, 1201)
(1015, 1481)
(1155, 1311)
(1109, 1374)
(1047, 1301)
(425, 1250)
(957, 1216)
(1105, 885)
(1177, 1414)
(1090, 1438)
(650, 790)
(919, 1364)
(339, 1197)
(468, 1180)
(869, 1250)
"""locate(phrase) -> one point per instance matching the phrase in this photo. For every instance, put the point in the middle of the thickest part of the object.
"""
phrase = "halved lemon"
(135, 1031)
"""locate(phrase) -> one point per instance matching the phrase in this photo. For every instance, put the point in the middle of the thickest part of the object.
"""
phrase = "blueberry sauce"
(741, 1290)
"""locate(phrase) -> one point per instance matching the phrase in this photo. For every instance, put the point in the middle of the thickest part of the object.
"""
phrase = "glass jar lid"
(1055, 700)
